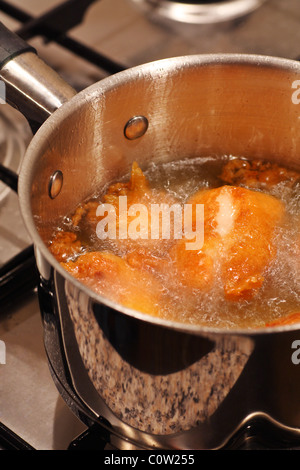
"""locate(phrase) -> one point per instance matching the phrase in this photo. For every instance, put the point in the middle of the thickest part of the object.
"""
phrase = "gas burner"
(200, 12)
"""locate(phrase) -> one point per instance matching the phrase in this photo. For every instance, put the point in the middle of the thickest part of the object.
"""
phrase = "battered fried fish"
(238, 244)
(256, 174)
(111, 276)
(138, 193)
(64, 245)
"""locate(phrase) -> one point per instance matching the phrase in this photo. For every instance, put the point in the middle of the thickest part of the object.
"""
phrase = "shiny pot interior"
(195, 106)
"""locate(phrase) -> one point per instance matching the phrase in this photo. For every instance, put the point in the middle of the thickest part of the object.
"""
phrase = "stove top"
(108, 36)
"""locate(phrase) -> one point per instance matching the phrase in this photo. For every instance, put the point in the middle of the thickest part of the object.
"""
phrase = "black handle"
(18, 276)
(11, 45)
(9, 177)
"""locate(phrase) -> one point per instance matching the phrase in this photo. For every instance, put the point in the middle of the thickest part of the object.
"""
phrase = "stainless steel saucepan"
(157, 384)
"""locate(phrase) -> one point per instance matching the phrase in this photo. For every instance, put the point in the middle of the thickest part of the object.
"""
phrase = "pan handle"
(27, 82)
(11, 46)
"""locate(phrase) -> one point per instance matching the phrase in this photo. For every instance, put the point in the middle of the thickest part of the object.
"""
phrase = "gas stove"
(86, 41)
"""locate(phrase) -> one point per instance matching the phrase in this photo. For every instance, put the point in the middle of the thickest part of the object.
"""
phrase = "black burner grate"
(54, 25)
(10, 441)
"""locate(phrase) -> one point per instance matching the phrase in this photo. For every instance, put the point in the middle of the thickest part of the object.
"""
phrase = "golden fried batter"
(111, 276)
(239, 227)
(137, 192)
(256, 174)
(87, 210)
(64, 245)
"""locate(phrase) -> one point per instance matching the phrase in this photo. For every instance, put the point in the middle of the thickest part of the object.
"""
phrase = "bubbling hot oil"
(280, 293)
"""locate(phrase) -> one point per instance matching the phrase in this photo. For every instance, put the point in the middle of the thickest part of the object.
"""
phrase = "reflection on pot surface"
(156, 380)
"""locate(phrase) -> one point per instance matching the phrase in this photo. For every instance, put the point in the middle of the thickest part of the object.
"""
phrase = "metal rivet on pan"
(55, 184)
(136, 127)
